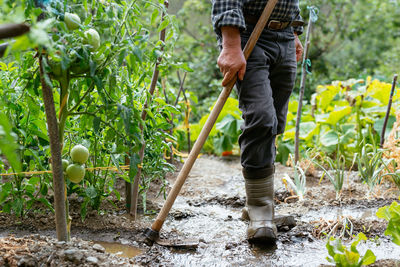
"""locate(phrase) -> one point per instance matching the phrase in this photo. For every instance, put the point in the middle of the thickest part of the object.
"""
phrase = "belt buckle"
(277, 25)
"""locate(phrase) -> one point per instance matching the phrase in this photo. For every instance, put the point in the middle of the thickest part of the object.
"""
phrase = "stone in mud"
(27, 262)
(92, 260)
(99, 248)
(73, 255)
(60, 244)
(230, 246)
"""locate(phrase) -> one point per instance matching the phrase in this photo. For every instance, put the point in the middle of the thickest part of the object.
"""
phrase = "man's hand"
(299, 47)
(231, 60)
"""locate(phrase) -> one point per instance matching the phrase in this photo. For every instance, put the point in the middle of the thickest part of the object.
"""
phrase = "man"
(264, 86)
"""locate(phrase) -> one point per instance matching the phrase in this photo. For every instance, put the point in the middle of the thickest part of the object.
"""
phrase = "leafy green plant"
(340, 113)
(23, 142)
(8, 145)
(342, 256)
(18, 195)
(229, 128)
(392, 215)
(224, 134)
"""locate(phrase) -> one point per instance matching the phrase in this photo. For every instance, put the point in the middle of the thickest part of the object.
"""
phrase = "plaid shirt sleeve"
(227, 13)
(298, 30)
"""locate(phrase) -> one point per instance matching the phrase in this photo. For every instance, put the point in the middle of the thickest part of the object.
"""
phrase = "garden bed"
(208, 208)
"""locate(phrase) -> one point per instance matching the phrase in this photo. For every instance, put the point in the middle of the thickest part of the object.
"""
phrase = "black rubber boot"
(260, 205)
(283, 222)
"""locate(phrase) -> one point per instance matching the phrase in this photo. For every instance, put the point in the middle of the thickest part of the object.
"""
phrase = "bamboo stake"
(183, 174)
(301, 95)
(135, 191)
(55, 148)
(388, 109)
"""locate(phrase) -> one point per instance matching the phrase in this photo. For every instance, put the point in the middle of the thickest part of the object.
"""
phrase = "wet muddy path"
(209, 209)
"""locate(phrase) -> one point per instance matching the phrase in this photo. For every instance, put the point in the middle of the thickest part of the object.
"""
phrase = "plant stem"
(63, 113)
(55, 147)
(135, 192)
(187, 114)
(388, 109)
(301, 95)
(90, 89)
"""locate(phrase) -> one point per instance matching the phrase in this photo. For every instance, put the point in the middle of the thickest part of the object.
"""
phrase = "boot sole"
(263, 235)
(279, 220)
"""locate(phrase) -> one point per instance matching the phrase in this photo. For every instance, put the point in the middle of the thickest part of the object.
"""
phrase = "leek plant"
(336, 176)
(298, 183)
(370, 165)
(395, 174)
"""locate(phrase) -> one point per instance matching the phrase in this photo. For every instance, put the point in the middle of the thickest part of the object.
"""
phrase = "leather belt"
(274, 24)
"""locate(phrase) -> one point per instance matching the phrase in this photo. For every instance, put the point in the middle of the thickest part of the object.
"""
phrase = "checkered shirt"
(231, 12)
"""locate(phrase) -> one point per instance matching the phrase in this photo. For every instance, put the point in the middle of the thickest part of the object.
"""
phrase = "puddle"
(120, 250)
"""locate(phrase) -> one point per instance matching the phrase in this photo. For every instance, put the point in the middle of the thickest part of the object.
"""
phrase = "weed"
(341, 227)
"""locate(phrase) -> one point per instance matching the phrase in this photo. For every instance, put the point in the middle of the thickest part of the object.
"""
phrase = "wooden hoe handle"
(183, 174)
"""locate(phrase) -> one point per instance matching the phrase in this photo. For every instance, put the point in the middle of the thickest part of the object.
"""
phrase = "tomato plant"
(98, 58)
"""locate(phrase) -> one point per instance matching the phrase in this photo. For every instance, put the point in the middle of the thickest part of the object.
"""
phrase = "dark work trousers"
(263, 98)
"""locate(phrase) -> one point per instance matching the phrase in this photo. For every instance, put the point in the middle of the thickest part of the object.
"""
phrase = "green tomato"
(72, 21)
(79, 154)
(65, 164)
(92, 38)
(75, 172)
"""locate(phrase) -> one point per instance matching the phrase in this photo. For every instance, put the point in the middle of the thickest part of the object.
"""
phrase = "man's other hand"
(299, 47)
(231, 60)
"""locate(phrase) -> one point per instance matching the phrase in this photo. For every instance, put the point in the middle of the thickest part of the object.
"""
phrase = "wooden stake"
(388, 109)
(301, 94)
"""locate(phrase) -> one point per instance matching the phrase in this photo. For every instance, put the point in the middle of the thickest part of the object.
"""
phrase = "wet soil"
(209, 209)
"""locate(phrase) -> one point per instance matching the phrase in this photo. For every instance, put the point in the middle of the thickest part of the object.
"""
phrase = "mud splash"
(119, 249)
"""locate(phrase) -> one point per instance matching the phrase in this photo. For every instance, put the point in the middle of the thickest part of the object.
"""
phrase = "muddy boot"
(260, 205)
(282, 222)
